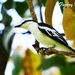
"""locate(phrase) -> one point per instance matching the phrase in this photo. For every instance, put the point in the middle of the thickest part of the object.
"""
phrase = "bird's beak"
(18, 26)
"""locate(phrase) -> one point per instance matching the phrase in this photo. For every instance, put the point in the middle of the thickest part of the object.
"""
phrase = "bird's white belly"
(42, 38)
(45, 41)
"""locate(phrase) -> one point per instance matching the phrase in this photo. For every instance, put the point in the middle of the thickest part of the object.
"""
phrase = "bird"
(46, 35)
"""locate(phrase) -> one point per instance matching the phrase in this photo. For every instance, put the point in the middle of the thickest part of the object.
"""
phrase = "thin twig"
(50, 50)
(31, 8)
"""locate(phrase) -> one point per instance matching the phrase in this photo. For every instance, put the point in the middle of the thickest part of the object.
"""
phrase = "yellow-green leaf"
(49, 11)
(31, 62)
(73, 44)
(68, 23)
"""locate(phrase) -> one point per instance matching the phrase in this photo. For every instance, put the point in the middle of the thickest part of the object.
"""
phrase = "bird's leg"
(47, 51)
(38, 49)
(42, 50)
(36, 45)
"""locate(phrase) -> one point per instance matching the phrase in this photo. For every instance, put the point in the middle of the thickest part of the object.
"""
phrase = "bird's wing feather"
(52, 33)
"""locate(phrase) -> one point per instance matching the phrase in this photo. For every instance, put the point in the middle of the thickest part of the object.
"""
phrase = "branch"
(31, 8)
(50, 50)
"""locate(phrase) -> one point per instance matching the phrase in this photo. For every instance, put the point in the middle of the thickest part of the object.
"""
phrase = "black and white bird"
(46, 35)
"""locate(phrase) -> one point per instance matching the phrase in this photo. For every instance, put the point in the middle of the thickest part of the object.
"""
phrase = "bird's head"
(26, 24)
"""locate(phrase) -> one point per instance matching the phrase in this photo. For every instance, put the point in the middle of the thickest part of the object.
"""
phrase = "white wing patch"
(53, 32)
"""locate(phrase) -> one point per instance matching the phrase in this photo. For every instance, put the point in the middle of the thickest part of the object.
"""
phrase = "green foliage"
(68, 69)
(8, 4)
(54, 61)
(17, 63)
(61, 7)
(65, 67)
(21, 7)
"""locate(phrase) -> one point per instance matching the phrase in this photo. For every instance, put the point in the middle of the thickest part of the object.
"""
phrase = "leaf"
(71, 1)
(49, 11)
(74, 23)
(17, 63)
(68, 23)
(31, 62)
(54, 61)
(8, 4)
(68, 69)
(21, 7)
(73, 45)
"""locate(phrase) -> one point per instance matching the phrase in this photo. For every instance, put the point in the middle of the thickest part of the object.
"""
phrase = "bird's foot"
(42, 50)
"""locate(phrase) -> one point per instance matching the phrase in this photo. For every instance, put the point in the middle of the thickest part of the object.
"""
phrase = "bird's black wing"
(52, 33)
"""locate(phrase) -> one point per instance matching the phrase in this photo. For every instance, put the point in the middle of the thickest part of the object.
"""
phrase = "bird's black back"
(49, 33)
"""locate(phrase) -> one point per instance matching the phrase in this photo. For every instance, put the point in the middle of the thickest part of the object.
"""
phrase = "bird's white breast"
(42, 38)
